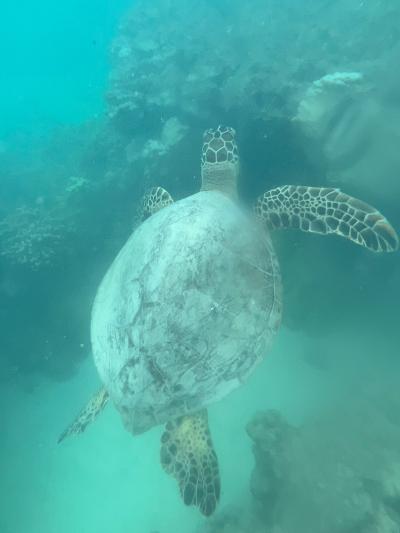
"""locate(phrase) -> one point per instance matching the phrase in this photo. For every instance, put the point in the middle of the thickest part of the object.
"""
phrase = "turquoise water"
(101, 101)
(55, 61)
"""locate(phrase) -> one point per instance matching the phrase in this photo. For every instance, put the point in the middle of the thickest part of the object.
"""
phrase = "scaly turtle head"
(220, 161)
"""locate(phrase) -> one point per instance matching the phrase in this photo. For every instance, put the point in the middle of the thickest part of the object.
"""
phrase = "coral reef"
(355, 128)
(335, 474)
(36, 235)
(272, 436)
(324, 97)
(198, 59)
(173, 131)
(32, 236)
(315, 73)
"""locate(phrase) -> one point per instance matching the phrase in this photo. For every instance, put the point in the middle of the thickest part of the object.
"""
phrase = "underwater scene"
(199, 266)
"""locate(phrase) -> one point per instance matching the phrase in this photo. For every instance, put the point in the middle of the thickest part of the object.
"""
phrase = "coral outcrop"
(324, 98)
(32, 236)
(198, 59)
(36, 235)
(332, 475)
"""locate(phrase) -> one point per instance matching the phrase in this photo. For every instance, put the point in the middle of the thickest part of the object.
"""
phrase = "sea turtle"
(192, 301)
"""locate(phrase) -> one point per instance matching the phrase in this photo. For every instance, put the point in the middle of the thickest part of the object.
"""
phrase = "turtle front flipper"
(154, 200)
(327, 211)
(95, 405)
(187, 453)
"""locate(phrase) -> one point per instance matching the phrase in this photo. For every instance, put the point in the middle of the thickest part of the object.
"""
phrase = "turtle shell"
(186, 311)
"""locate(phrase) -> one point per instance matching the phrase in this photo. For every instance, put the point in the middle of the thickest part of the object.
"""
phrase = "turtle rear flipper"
(187, 453)
(327, 211)
(95, 405)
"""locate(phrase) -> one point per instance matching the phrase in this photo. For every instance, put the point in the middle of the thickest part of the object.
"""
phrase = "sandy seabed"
(107, 481)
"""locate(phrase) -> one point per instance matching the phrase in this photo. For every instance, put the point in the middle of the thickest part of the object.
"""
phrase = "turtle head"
(220, 160)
